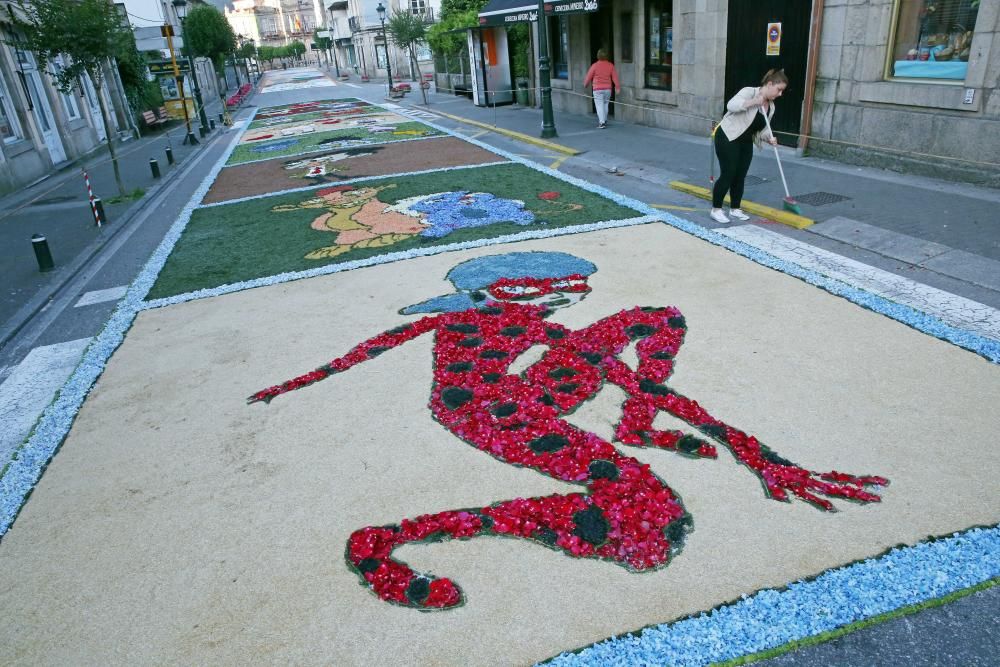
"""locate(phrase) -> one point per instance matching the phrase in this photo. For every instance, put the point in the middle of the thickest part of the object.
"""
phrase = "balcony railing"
(354, 24)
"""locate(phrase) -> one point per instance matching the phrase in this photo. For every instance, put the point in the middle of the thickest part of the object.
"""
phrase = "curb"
(44, 296)
(514, 135)
(784, 217)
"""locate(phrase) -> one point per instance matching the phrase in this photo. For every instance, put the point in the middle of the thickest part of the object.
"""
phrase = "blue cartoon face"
(446, 212)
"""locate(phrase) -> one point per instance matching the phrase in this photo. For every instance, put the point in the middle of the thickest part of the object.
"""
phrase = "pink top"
(603, 75)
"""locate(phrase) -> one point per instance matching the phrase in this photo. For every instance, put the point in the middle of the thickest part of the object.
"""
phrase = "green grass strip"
(858, 625)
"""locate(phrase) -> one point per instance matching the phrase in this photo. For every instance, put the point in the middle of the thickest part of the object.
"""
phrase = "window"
(68, 101)
(417, 7)
(933, 38)
(381, 56)
(10, 128)
(558, 46)
(625, 38)
(659, 44)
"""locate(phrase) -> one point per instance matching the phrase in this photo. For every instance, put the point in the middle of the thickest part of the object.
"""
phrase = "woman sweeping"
(743, 124)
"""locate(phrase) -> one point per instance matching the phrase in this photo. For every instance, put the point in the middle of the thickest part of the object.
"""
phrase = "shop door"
(748, 57)
(602, 37)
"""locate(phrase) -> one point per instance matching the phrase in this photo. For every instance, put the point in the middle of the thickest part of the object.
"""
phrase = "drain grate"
(753, 180)
(820, 198)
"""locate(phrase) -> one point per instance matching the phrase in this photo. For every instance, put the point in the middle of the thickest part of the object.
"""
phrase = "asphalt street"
(931, 233)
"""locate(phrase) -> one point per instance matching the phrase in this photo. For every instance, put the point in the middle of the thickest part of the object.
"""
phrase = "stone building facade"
(42, 128)
(904, 84)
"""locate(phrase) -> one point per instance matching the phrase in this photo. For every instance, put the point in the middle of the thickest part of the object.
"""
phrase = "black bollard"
(170, 155)
(99, 205)
(42, 254)
(211, 123)
(202, 130)
(154, 167)
(220, 116)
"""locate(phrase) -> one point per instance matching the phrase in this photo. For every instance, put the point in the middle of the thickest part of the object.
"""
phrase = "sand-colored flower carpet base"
(447, 354)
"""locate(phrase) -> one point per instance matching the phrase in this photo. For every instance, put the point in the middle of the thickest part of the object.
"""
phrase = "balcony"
(354, 23)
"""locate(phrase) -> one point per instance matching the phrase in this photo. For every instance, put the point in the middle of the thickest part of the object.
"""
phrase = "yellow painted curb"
(784, 217)
(514, 135)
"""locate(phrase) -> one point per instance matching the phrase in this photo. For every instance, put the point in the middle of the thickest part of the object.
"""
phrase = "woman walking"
(741, 127)
(604, 76)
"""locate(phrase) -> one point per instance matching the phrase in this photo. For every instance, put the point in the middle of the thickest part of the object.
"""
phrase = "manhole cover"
(754, 180)
(820, 198)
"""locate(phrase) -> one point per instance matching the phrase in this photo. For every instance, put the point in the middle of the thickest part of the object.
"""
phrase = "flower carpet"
(442, 350)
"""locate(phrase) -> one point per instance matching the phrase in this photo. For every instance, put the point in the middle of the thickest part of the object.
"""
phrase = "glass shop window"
(659, 44)
(559, 46)
(933, 39)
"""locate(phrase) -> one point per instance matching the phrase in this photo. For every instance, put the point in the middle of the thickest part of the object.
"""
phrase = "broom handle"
(776, 156)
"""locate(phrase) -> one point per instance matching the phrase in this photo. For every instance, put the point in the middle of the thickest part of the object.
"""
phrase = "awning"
(505, 12)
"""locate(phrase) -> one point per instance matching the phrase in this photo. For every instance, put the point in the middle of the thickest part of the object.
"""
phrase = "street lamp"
(180, 6)
(544, 78)
(385, 42)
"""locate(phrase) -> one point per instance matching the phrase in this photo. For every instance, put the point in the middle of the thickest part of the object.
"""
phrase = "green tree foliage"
(449, 7)
(296, 49)
(142, 93)
(89, 33)
(442, 36)
(208, 34)
(408, 30)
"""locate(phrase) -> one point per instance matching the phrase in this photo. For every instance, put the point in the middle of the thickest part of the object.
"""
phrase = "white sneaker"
(738, 214)
(717, 215)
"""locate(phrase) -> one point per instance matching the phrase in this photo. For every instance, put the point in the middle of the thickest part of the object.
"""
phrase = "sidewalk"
(915, 222)
(57, 207)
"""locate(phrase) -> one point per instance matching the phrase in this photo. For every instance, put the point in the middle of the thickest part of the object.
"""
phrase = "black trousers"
(734, 161)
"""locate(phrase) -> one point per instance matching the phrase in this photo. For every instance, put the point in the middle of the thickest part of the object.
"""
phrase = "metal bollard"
(99, 205)
(42, 254)
(211, 123)
(170, 155)
(220, 116)
(202, 130)
(154, 167)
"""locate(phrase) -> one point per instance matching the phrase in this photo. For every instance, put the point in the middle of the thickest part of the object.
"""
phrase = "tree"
(446, 35)
(89, 33)
(407, 31)
(208, 34)
(296, 49)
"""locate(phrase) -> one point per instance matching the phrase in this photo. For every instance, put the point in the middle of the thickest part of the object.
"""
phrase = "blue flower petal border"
(770, 618)
(766, 619)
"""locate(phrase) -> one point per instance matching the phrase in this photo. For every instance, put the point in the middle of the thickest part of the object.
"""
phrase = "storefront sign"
(573, 7)
(167, 67)
(773, 39)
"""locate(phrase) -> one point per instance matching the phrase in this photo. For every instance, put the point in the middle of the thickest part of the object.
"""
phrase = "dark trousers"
(734, 161)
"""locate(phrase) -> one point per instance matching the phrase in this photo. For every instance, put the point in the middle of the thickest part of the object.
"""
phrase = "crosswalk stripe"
(102, 295)
(951, 309)
(30, 388)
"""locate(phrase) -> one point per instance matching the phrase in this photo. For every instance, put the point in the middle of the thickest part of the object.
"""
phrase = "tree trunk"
(108, 133)
(420, 77)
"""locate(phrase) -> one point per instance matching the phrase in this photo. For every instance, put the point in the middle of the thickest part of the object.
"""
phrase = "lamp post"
(544, 79)
(180, 6)
(167, 31)
(385, 42)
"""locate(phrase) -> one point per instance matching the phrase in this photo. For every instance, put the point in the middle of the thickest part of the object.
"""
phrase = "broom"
(788, 203)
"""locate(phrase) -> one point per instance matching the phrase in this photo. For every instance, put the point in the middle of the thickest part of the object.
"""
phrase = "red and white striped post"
(90, 193)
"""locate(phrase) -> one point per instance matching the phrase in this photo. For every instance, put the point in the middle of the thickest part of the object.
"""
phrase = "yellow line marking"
(558, 162)
(559, 148)
(784, 217)
(671, 207)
